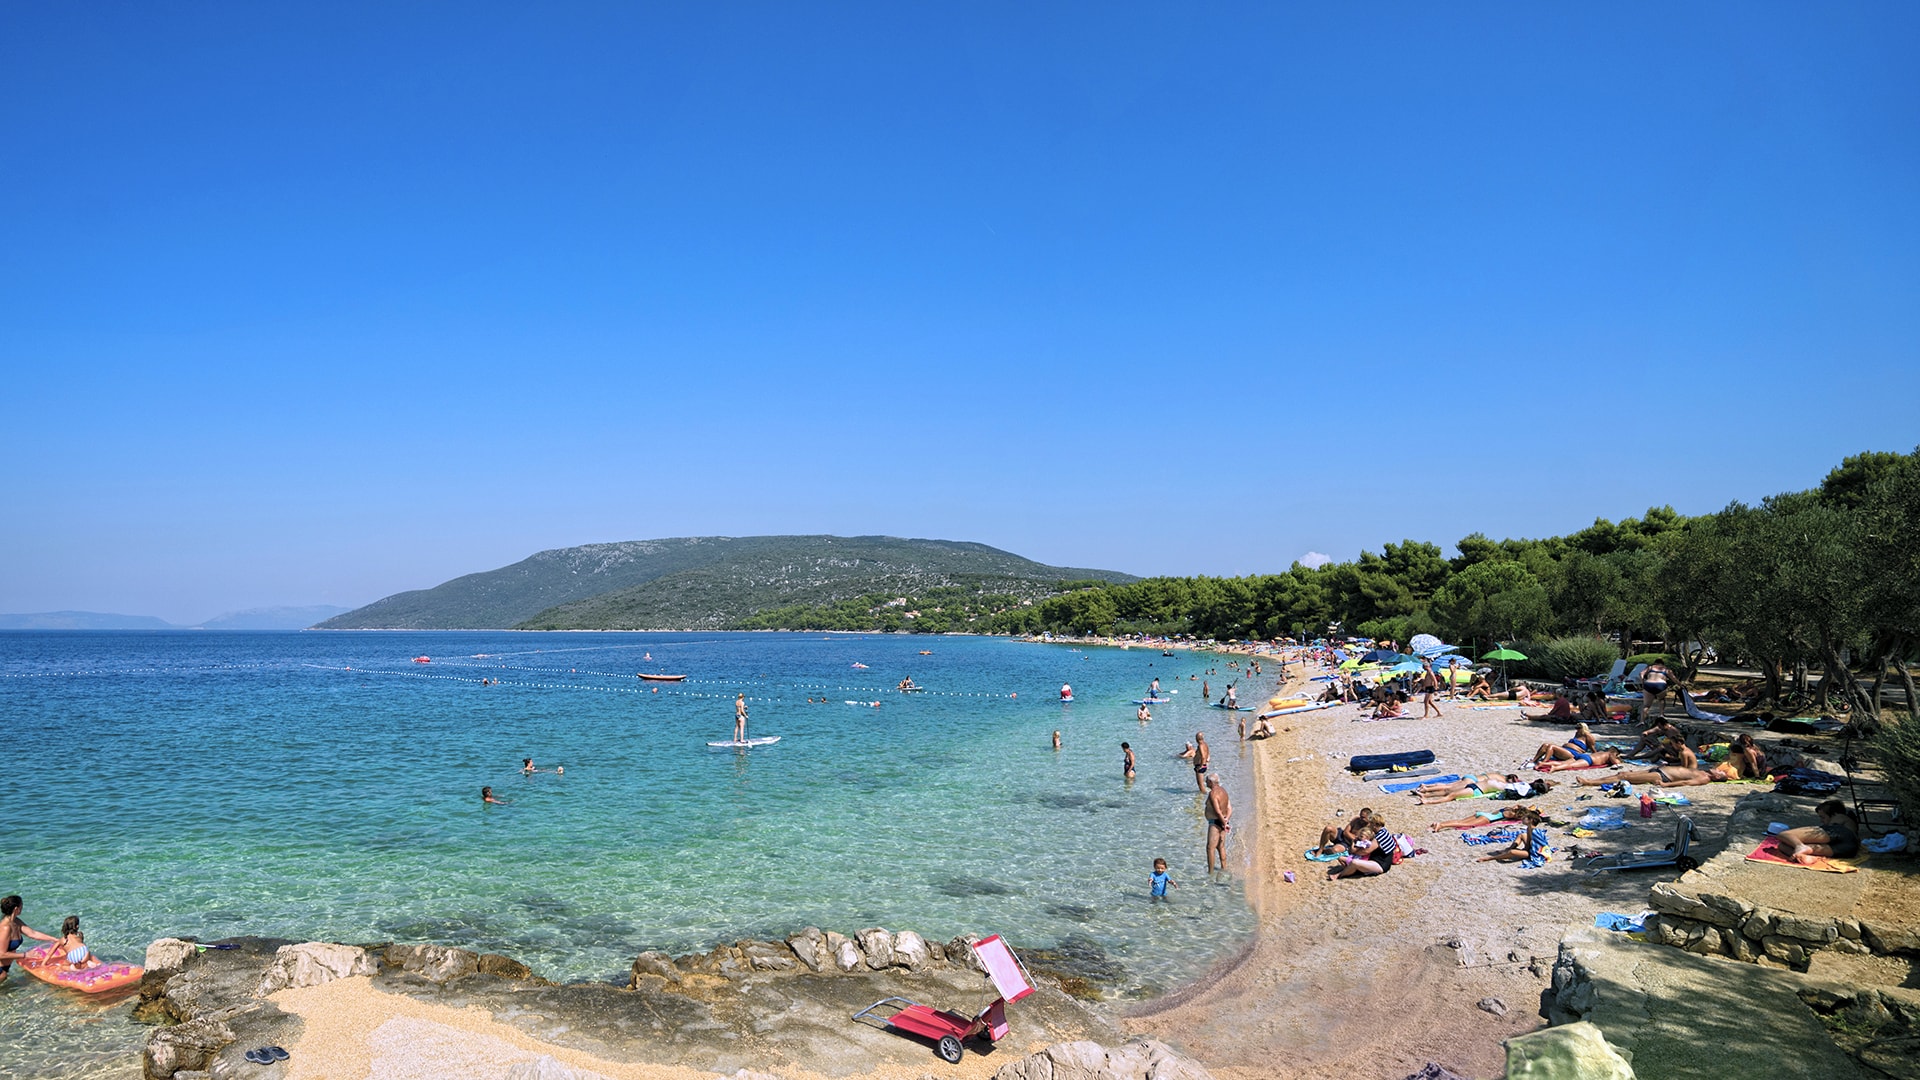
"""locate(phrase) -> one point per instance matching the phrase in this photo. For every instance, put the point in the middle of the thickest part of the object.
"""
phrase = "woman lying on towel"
(1484, 817)
(1509, 786)
(1666, 775)
(1836, 837)
(1579, 748)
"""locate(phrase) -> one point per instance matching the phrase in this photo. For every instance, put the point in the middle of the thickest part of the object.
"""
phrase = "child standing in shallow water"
(1160, 880)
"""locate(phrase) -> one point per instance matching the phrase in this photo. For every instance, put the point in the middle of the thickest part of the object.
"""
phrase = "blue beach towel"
(1409, 785)
(1498, 836)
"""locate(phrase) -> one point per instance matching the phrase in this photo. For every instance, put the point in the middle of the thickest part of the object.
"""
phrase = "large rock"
(435, 963)
(810, 948)
(767, 956)
(312, 963)
(168, 955)
(847, 956)
(651, 963)
(878, 945)
(184, 1047)
(910, 951)
(1568, 1052)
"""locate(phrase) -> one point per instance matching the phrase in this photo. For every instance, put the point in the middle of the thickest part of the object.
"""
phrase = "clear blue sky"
(313, 303)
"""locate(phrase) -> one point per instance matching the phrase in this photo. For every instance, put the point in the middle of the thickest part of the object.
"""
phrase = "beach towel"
(1498, 836)
(1604, 818)
(1314, 855)
(1409, 785)
(1403, 774)
(1565, 766)
(1607, 920)
(1769, 852)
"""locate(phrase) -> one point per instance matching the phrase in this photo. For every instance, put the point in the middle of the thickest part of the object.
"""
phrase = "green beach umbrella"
(1504, 654)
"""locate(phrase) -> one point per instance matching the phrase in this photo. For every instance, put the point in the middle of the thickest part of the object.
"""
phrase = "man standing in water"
(1201, 755)
(1219, 818)
(740, 718)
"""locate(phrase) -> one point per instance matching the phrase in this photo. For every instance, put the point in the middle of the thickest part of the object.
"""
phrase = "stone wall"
(811, 951)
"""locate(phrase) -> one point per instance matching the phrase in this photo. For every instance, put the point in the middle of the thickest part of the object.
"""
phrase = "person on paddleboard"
(740, 718)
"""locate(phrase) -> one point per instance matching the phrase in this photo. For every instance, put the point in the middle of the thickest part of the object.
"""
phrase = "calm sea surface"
(323, 785)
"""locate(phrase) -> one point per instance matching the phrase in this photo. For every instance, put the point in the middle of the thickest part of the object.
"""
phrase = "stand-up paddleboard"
(42, 964)
(1229, 708)
(1066, 701)
(745, 744)
(1153, 701)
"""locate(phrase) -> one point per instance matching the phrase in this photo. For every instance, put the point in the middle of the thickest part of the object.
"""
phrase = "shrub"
(1574, 657)
(1897, 744)
(1666, 658)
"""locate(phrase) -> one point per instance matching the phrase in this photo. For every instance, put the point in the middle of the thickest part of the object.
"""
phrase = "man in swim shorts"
(1219, 820)
(1201, 756)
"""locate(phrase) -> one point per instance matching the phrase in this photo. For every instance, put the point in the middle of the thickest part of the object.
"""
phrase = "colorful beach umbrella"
(1504, 653)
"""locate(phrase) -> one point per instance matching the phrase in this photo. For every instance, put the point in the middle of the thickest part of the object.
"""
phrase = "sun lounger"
(1674, 854)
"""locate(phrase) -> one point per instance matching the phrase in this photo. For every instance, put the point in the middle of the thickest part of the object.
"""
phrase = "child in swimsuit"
(1159, 880)
(72, 946)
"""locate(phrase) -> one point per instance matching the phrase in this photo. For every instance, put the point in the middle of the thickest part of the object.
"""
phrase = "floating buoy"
(423, 659)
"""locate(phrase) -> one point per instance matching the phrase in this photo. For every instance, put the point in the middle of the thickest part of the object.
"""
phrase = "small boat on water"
(662, 678)
(423, 659)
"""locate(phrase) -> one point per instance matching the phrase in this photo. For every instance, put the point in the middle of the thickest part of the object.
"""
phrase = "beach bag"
(1401, 844)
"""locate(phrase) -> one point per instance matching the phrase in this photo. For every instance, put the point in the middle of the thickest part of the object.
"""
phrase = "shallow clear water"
(322, 785)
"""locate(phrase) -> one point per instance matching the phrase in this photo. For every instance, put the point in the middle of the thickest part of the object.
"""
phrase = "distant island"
(734, 583)
(268, 618)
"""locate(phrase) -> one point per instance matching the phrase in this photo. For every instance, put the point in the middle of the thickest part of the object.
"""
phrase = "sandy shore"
(1419, 947)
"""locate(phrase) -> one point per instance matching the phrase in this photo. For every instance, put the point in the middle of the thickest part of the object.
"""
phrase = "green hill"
(704, 582)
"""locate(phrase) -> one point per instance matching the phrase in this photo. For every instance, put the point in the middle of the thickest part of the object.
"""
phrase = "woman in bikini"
(1429, 794)
(1534, 846)
(1579, 748)
(1484, 817)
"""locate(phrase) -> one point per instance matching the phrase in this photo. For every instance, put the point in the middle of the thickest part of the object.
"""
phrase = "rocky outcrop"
(434, 963)
(1561, 1053)
(1143, 1059)
(313, 963)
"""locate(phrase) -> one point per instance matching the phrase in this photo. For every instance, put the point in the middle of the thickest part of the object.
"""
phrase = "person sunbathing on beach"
(1481, 690)
(1262, 729)
(1336, 838)
(1561, 711)
(1524, 695)
(1372, 854)
(1533, 846)
(1668, 775)
(1594, 710)
(1469, 786)
(1579, 748)
(1484, 817)
(1836, 837)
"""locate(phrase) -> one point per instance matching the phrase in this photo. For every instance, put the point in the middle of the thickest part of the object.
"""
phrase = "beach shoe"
(259, 1057)
(278, 1053)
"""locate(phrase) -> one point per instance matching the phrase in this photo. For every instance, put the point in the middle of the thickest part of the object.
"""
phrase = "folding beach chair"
(948, 1030)
(1674, 854)
(1601, 682)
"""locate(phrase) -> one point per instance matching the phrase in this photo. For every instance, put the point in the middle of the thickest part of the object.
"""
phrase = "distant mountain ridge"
(702, 582)
(267, 618)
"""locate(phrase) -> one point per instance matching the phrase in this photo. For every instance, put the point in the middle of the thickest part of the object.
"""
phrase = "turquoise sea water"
(323, 785)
